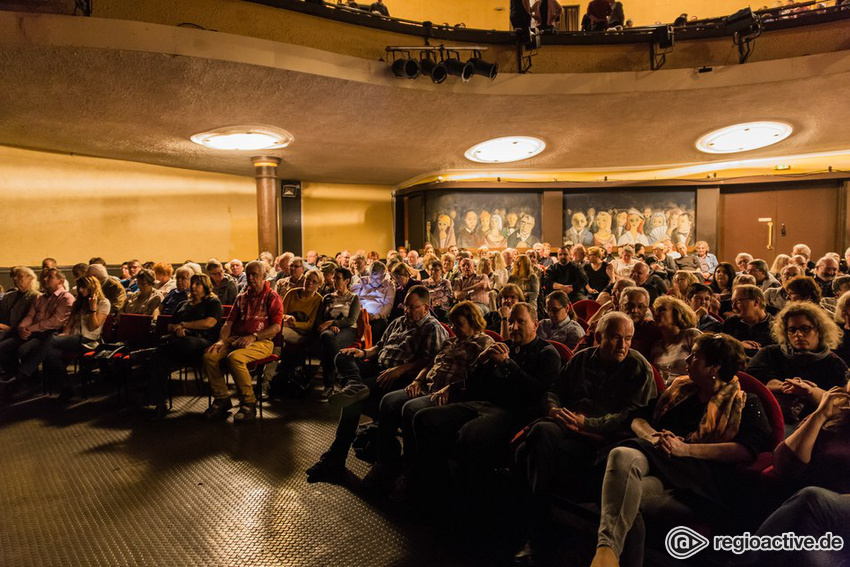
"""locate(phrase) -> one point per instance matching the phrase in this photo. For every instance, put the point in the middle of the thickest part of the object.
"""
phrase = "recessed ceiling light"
(744, 137)
(244, 138)
(504, 150)
(781, 167)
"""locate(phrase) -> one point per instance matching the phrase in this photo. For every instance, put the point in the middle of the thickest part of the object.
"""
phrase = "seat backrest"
(448, 329)
(563, 351)
(583, 323)
(225, 311)
(586, 308)
(493, 335)
(364, 330)
(133, 328)
(108, 333)
(659, 380)
(751, 385)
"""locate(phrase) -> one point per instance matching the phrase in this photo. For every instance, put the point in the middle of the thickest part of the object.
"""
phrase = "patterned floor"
(96, 484)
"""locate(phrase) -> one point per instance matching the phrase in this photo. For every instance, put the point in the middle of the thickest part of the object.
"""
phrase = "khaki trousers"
(237, 361)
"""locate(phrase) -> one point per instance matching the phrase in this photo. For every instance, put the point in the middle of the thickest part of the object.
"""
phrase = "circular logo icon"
(683, 542)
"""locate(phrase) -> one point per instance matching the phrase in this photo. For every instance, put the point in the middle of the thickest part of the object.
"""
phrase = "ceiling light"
(244, 138)
(504, 150)
(744, 137)
(782, 167)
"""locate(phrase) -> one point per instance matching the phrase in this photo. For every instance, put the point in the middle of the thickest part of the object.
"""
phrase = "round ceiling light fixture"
(505, 150)
(744, 137)
(244, 138)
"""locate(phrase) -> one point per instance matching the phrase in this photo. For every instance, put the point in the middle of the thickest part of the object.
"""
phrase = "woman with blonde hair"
(801, 366)
(677, 323)
(162, 272)
(681, 282)
(779, 262)
(82, 332)
(17, 301)
(524, 277)
(500, 272)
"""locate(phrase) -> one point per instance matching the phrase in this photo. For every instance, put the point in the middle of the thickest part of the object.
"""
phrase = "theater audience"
(840, 285)
(16, 302)
(707, 261)
(439, 290)
(806, 253)
(644, 278)
(779, 262)
(611, 301)
(686, 449)
(301, 310)
(775, 298)
(523, 276)
(133, 268)
(237, 270)
(497, 321)
(246, 335)
(376, 293)
(677, 324)
(682, 280)
(146, 300)
(591, 405)
(801, 366)
(825, 271)
(111, 288)
(224, 286)
(623, 265)
(700, 300)
(662, 263)
(721, 285)
(505, 389)
(402, 276)
(164, 283)
(431, 387)
(327, 270)
(338, 317)
(742, 260)
(81, 332)
(842, 318)
(500, 272)
(764, 279)
(566, 276)
(597, 270)
(21, 354)
(686, 261)
(194, 326)
(472, 287)
(803, 288)
(409, 344)
(559, 326)
(180, 293)
(751, 323)
(294, 280)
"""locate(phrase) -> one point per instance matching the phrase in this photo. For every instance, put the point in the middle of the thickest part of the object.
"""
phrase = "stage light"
(459, 68)
(483, 68)
(436, 70)
(406, 68)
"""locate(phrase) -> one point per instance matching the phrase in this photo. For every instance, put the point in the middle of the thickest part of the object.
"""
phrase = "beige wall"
(72, 208)
(337, 216)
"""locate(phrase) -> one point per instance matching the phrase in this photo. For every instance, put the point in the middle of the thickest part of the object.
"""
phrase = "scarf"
(722, 417)
(804, 356)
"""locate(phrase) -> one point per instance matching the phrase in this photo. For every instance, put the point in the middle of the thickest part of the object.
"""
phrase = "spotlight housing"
(483, 68)
(436, 70)
(459, 68)
(406, 68)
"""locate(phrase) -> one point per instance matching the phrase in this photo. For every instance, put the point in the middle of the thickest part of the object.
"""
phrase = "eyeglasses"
(741, 300)
(804, 329)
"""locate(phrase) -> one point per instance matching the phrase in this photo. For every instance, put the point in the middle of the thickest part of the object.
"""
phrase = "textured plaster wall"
(338, 216)
(73, 208)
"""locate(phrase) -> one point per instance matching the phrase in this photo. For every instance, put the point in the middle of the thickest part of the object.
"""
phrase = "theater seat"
(586, 308)
(494, 335)
(563, 351)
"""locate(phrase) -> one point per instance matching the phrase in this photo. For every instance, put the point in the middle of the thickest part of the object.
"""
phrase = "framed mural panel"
(611, 219)
(474, 219)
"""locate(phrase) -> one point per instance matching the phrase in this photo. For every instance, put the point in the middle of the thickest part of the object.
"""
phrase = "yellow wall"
(494, 14)
(337, 216)
(73, 208)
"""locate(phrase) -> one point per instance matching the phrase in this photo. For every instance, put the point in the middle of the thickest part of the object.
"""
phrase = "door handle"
(769, 222)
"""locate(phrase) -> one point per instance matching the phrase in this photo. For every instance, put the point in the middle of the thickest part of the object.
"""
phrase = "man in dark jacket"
(566, 276)
(505, 389)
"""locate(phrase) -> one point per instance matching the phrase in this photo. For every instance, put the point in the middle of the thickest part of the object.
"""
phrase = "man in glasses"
(407, 346)
(751, 323)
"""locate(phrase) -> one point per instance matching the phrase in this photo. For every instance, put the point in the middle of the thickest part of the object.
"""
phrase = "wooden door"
(806, 215)
(740, 229)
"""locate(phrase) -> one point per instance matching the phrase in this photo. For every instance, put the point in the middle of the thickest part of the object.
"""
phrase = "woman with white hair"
(16, 302)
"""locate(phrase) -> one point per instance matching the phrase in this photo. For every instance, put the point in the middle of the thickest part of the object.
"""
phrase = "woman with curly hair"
(677, 323)
(801, 366)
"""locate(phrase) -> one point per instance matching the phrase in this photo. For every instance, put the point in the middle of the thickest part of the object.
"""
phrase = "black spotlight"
(458, 68)
(481, 67)
(406, 68)
(437, 71)
(742, 22)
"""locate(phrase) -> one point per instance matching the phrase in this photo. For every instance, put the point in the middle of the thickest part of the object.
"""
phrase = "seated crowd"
(650, 382)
